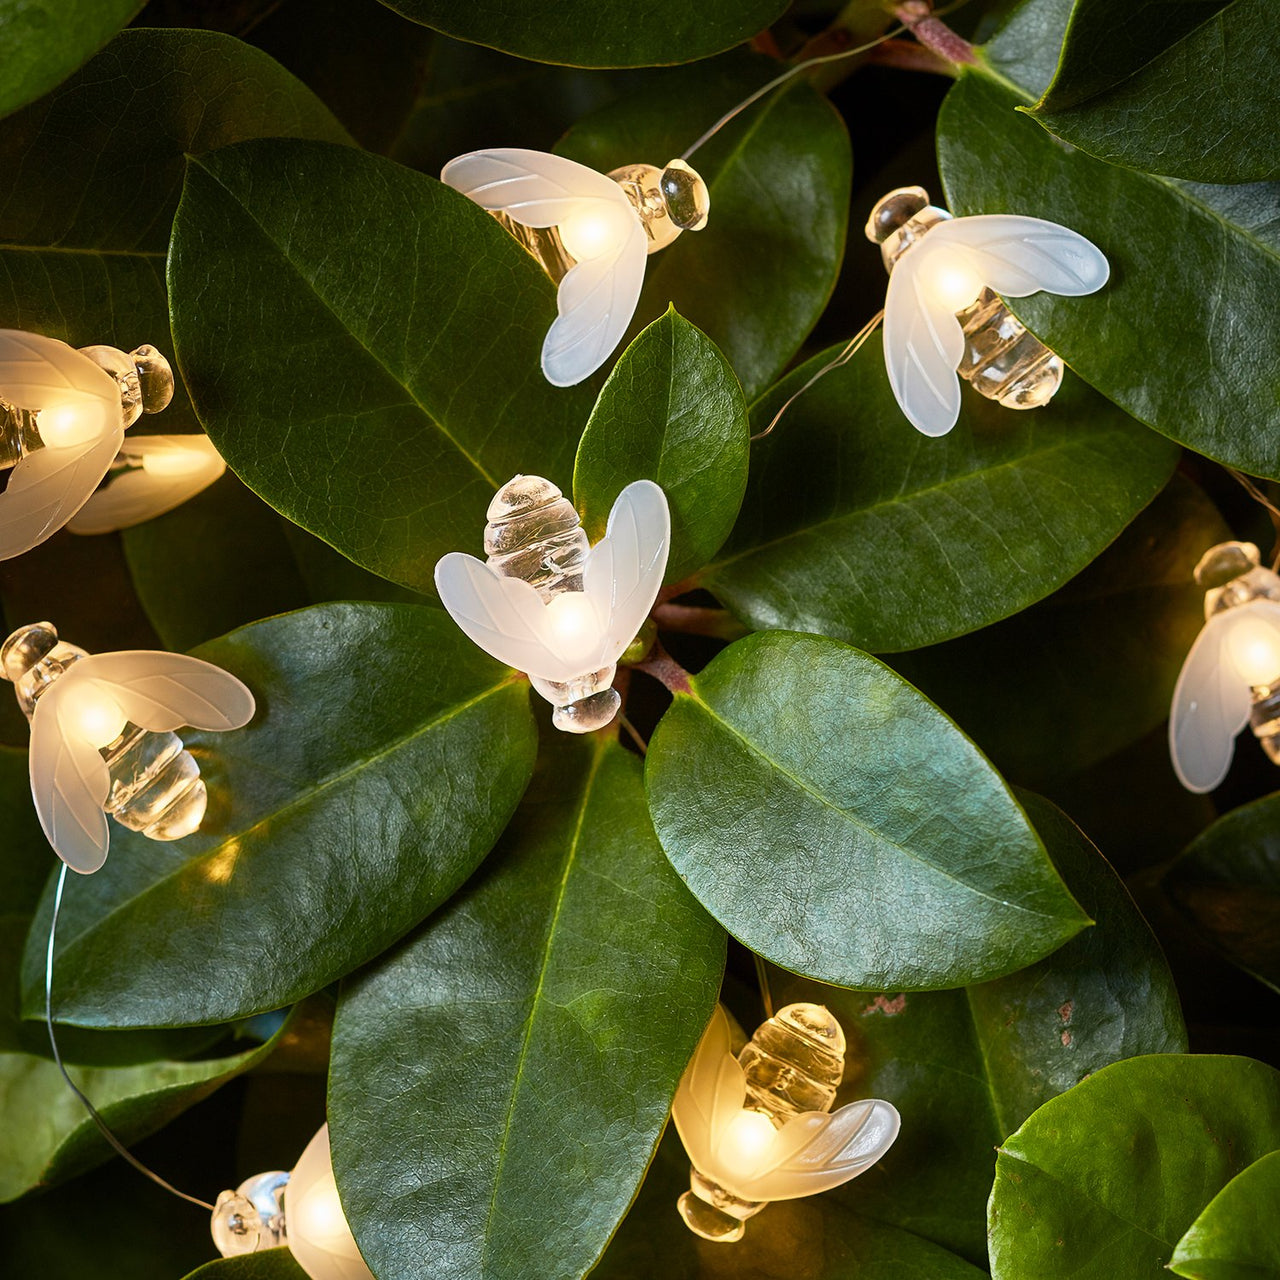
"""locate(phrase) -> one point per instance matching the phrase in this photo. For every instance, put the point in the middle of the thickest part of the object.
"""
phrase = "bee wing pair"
(70, 780)
(812, 1152)
(507, 618)
(1014, 256)
(598, 295)
(1211, 700)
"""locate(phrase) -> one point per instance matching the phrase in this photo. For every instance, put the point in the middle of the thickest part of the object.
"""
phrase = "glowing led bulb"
(102, 738)
(63, 415)
(548, 603)
(1231, 676)
(942, 318)
(759, 1127)
(300, 1209)
(590, 233)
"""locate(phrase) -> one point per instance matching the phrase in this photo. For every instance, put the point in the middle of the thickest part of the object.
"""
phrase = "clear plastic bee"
(63, 415)
(299, 1209)
(759, 1127)
(1231, 676)
(590, 232)
(940, 313)
(551, 605)
(102, 739)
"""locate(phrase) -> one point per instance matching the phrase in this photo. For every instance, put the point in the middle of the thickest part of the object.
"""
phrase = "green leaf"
(672, 411)
(1090, 670)
(402, 325)
(583, 33)
(97, 168)
(789, 786)
(543, 1021)
(857, 527)
(813, 1239)
(329, 575)
(48, 1137)
(1195, 269)
(1227, 884)
(270, 1264)
(1104, 1180)
(386, 756)
(1182, 88)
(756, 278)
(44, 41)
(1235, 1237)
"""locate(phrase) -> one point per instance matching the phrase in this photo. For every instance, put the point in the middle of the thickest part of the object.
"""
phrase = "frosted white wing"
(596, 301)
(40, 373)
(504, 616)
(164, 691)
(1017, 256)
(711, 1092)
(69, 784)
(141, 494)
(624, 571)
(923, 344)
(815, 1151)
(1211, 700)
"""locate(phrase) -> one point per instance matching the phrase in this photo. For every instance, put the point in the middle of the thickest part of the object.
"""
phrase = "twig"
(697, 620)
(907, 55)
(633, 733)
(665, 670)
(918, 18)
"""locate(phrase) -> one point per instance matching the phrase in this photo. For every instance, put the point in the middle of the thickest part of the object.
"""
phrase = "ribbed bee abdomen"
(534, 533)
(1002, 360)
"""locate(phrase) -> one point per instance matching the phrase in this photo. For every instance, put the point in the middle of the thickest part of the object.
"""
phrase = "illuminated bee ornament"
(63, 414)
(591, 234)
(941, 315)
(1231, 676)
(102, 739)
(551, 605)
(759, 1127)
(299, 1209)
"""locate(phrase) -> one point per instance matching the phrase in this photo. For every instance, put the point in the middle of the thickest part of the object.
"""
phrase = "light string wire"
(103, 1127)
(1258, 495)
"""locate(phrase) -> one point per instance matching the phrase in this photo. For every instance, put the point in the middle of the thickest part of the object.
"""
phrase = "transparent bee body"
(1002, 360)
(534, 533)
(156, 787)
(145, 380)
(794, 1063)
(251, 1217)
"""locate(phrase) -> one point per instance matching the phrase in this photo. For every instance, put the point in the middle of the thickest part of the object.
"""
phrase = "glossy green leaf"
(362, 343)
(857, 527)
(329, 575)
(96, 168)
(1104, 1180)
(386, 756)
(758, 275)
(1183, 88)
(587, 34)
(44, 41)
(813, 1239)
(542, 1022)
(672, 411)
(789, 787)
(1227, 884)
(1091, 669)
(270, 1264)
(1235, 1238)
(1182, 334)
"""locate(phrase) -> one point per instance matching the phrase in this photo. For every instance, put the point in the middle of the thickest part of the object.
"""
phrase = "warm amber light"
(174, 462)
(951, 281)
(1255, 649)
(572, 619)
(94, 713)
(66, 426)
(587, 235)
(748, 1136)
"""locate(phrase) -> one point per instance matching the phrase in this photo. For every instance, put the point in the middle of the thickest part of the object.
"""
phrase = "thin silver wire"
(850, 350)
(115, 1142)
(1258, 495)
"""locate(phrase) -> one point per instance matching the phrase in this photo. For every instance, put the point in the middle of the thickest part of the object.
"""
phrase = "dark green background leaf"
(858, 527)
(589, 34)
(672, 411)
(270, 1264)
(374, 378)
(500, 1082)
(790, 789)
(1235, 1238)
(386, 756)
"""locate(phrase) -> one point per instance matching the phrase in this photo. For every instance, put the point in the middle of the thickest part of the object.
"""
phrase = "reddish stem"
(907, 55)
(665, 670)
(698, 620)
(933, 33)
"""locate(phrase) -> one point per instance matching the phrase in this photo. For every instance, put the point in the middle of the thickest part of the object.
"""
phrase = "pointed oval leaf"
(1195, 269)
(584, 33)
(361, 343)
(270, 1264)
(540, 1024)
(673, 412)
(1235, 1238)
(837, 823)
(856, 527)
(386, 756)
(1104, 1180)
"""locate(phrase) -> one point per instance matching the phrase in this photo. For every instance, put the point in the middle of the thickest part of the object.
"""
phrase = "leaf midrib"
(83, 252)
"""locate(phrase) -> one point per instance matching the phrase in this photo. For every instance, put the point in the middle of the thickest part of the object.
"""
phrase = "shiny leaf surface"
(1235, 1237)
(270, 1264)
